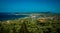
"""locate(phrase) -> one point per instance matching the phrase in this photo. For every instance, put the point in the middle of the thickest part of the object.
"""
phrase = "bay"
(7, 16)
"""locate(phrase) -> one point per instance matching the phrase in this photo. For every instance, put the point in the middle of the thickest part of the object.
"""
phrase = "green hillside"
(32, 24)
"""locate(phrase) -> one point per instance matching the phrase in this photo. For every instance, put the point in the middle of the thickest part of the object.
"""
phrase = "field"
(34, 23)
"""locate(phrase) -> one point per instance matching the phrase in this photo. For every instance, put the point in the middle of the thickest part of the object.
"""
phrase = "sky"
(30, 6)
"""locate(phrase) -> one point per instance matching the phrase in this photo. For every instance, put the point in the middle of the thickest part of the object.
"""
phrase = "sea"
(9, 16)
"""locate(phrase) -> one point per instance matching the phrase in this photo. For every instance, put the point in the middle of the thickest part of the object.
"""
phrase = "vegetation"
(30, 25)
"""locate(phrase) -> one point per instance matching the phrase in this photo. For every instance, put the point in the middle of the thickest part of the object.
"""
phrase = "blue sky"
(29, 5)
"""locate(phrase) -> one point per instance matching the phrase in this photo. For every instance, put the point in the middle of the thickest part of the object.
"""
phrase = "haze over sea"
(30, 6)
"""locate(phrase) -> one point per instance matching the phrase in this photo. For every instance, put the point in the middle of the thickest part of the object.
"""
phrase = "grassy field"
(45, 23)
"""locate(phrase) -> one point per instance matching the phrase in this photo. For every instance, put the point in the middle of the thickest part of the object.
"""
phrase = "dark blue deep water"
(5, 16)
